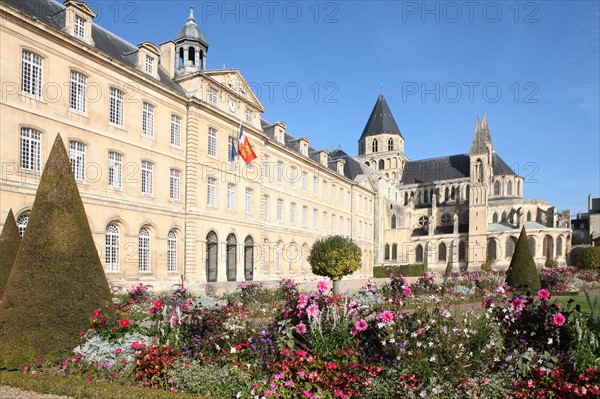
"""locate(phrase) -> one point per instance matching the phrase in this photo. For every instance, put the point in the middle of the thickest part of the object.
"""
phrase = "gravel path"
(7, 392)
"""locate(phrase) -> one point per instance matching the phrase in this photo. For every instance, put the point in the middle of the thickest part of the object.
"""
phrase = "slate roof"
(381, 120)
(191, 31)
(449, 167)
(52, 14)
(352, 167)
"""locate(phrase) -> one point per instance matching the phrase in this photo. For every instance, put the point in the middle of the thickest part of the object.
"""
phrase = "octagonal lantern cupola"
(190, 48)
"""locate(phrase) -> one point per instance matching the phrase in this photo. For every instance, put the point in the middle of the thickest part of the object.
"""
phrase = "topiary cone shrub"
(334, 257)
(9, 245)
(522, 272)
(57, 279)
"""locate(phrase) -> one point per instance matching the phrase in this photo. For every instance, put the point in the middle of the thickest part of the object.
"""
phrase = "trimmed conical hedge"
(522, 272)
(57, 279)
(9, 245)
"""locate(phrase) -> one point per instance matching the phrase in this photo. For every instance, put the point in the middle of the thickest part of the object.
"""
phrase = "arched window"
(386, 252)
(419, 253)
(393, 222)
(172, 251)
(180, 61)
(22, 223)
(442, 252)
(290, 257)
(548, 247)
(112, 248)
(212, 252)
(303, 257)
(394, 251)
(391, 145)
(453, 194)
(492, 250)
(381, 165)
(532, 245)
(462, 251)
(529, 216)
(231, 260)
(192, 55)
(144, 250)
(503, 219)
(405, 198)
(446, 194)
(510, 247)
(559, 246)
(495, 217)
(496, 187)
(509, 188)
(479, 171)
(374, 146)
(249, 258)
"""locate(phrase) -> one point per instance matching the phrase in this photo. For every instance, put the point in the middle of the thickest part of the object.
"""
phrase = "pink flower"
(97, 313)
(385, 317)
(517, 303)
(174, 320)
(360, 325)
(118, 350)
(173, 389)
(407, 291)
(158, 304)
(301, 328)
(307, 394)
(322, 286)
(313, 310)
(558, 319)
(26, 368)
(302, 301)
(543, 294)
(124, 323)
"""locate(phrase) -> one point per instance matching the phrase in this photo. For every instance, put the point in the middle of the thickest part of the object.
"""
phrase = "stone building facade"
(150, 131)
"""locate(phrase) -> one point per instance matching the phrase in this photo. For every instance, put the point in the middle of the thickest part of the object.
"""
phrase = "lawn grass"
(80, 388)
(582, 301)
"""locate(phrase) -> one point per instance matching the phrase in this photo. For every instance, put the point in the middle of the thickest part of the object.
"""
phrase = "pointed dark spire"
(481, 138)
(381, 120)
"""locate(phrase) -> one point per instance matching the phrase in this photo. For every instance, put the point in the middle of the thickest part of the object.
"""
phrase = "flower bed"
(388, 341)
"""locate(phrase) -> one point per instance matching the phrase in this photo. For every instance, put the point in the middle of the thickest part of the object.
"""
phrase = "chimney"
(590, 205)
(167, 57)
(340, 166)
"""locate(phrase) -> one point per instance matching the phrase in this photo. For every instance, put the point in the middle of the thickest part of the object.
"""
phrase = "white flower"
(550, 341)
(233, 350)
(432, 358)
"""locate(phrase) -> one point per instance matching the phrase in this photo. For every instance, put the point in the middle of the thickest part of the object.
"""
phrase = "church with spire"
(151, 132)
(453, 212)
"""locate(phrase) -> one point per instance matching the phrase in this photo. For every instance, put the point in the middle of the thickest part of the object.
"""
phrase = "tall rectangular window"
(304, 215)
(148, 120)
(293, 176)
(292, 214)
(333, 195)
(77, 158)
(279, 210)
(175, 130)
(266, 207)
(324, 192)
(332, 224)
(266, 169)
(324, 222)
(212, 96)
(147, 177)
(211, 199)
(348, 228)
(279, 172)
(77, 92)
(31, 149)
(231, 196)
(315, 185)
(79, 27)
(149, 64)
(144, 250)
(172, 252)
(248, 200)
(31, 79)
(277, 257)
(114, 169)
(249, 115)
(116, 104)
(304, 181)
(212, 142)
(341, 197)
(314, 222)
(174, 184)
(341, 225)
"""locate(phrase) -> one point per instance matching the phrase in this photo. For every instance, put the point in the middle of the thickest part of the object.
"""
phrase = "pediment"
(233, 81)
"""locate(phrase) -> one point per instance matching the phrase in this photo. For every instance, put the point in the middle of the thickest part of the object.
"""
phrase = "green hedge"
(80, 388)
(414, 270)
(589, 258)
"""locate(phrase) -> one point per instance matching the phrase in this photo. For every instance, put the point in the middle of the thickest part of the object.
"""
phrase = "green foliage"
(219, 381)
(551, 263)
(334, 257)
(57, 279)
(413, 270)
(522, 272)
(589, 258)
(486, 267)
(9, 246)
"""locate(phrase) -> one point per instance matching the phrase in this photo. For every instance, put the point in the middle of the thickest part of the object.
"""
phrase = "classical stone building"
(460, 210)
(150, 131)
(586, 226)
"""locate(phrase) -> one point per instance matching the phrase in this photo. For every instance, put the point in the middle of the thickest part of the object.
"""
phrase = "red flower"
(158, 304)
(97, 313)
(124, 323)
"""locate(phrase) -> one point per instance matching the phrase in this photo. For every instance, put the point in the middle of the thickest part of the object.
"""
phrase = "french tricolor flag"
(245, 149)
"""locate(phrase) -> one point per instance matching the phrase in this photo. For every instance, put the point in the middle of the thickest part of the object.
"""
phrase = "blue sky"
(532, 66)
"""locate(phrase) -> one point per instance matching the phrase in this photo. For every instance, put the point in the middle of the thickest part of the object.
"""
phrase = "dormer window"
(149, 64)
(79, 27)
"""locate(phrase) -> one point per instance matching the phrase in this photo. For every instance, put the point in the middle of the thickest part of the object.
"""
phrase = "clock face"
(232, 106)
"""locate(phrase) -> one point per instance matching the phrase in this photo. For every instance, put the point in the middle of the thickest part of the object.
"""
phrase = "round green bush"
(589, 258)
(551, 263)
(334, 257)
(486, 267)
